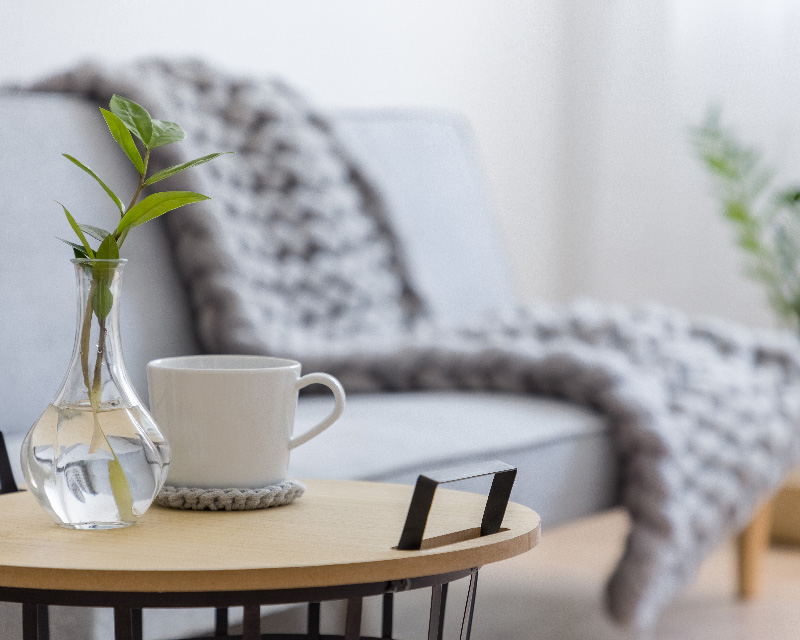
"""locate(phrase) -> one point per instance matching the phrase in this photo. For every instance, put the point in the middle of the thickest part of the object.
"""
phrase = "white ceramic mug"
(229, 419)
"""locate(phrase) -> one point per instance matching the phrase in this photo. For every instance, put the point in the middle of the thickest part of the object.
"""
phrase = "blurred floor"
(555, 591)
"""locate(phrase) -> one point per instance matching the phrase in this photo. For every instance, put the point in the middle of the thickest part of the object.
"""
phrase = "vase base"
(94, 526)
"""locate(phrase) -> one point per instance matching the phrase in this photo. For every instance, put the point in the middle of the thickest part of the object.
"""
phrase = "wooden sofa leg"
(751, 548)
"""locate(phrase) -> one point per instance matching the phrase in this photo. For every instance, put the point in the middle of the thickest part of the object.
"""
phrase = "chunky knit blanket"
(294, 256)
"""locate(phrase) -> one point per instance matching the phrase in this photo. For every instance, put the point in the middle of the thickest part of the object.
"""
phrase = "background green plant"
(766, 218)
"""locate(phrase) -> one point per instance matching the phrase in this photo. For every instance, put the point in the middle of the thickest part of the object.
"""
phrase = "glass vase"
(96, 459)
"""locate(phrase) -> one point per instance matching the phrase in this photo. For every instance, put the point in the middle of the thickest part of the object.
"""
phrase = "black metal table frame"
(128, 605)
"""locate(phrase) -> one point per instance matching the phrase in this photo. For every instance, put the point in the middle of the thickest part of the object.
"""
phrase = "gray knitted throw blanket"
(294, 257)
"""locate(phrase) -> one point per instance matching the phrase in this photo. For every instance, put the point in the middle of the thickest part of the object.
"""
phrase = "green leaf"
(791, 196)
(155, 205)
(102, 298)
(135, 117)
(78, 232)
(171, 171)
(96, 232)
(737, 212)
(103, 272)
(721, 166)
(120, 489)
(750, 243)
(124, 139)
(111, 194)
(165, 133)
(76, 248)
(108, 249)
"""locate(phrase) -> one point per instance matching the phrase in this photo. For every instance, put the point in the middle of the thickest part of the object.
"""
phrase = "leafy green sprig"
(766, 218)
(125, 119)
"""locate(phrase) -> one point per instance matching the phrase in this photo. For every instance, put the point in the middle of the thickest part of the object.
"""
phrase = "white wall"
(581, 109)
(643, 223)
(495, 62)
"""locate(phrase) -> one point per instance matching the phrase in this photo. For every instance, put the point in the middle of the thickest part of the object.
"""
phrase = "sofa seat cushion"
(567, 465)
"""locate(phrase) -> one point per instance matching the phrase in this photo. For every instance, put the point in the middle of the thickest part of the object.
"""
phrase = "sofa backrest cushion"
(425, 164)
(37, 283)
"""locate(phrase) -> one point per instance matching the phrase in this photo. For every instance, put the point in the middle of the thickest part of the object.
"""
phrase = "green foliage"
(102, 299)
(155, 205)
(766, 219)
(171, 171)
(126, 119)
(134, 117)
(111, 194)
(78, 250)
(124, 139)
(165, 133)
(76, 228)
(108, 249)
(96, 232)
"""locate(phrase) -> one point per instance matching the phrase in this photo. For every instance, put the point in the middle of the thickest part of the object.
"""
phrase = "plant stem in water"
(119, 482)
(85, 338)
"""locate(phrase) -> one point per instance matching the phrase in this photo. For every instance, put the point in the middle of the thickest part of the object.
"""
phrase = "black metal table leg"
(469, 608)
(388, 615)
(136, 624)
(441, 616)
(312, 627)
(30, 622)
(221, 621)
(123, 624)
(436, 620)
(252, 623)
(43, 617)
(7, 483)
(352, 627)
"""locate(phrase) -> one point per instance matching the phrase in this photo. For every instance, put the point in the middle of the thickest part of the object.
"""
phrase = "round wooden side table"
(339, 541)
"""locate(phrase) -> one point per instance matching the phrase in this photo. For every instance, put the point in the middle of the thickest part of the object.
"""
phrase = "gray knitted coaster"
(230, 499)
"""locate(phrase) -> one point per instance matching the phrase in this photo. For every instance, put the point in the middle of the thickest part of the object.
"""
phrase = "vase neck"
(97, 373)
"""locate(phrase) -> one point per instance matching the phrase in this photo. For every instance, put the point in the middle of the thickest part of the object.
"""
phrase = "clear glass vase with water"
(96, 459)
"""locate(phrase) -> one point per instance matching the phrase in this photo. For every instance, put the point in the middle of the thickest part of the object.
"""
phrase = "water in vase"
(93, 469)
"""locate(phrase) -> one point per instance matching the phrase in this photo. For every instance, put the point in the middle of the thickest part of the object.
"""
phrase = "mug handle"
(338, 395)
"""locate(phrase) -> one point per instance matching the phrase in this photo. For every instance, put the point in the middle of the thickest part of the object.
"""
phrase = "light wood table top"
(338, 533)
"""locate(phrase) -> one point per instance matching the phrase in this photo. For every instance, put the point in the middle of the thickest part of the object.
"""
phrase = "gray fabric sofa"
(426, 166)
